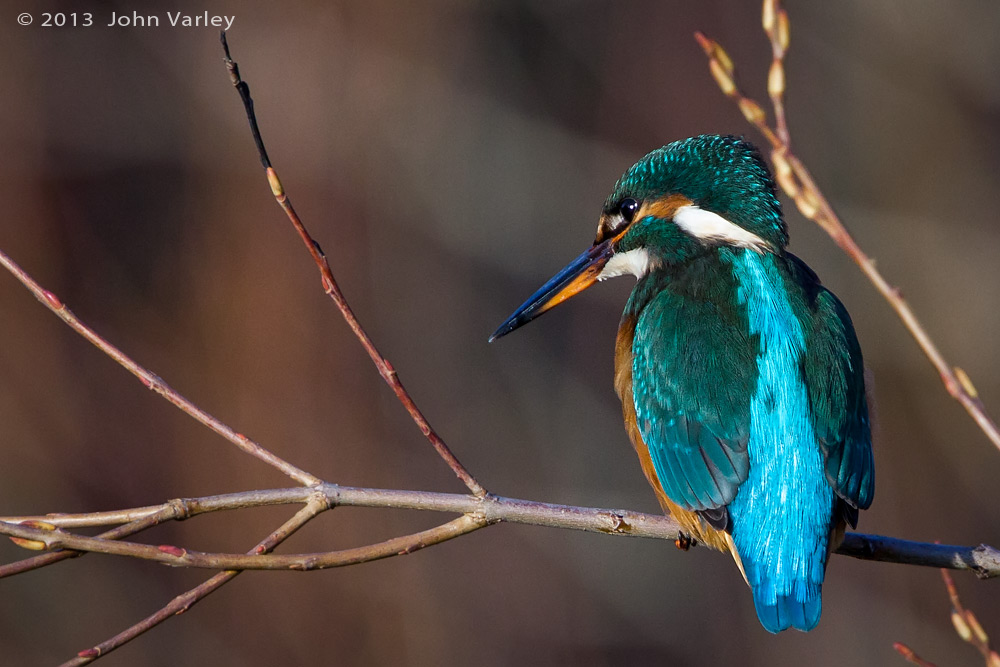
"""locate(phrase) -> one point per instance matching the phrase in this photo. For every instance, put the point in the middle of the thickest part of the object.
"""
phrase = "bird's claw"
(684, 542)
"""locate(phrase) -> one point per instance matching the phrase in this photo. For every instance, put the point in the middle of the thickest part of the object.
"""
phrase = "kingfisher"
(740, 376)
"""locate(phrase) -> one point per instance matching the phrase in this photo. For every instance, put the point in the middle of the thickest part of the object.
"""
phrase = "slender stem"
(190, 507)
(166, 512)
(179, 557)
(793, 177)
(332, 289)
(966, 624)
(910, 655)
(152, 381)
(776, 27)
(182, 603)
(982, 560)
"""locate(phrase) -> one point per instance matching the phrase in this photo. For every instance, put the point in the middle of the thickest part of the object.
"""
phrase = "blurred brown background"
(450, 156)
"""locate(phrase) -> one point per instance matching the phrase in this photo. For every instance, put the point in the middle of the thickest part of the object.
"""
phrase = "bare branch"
(330, 286)
(180, 557)
(182, 603)
(982, 560)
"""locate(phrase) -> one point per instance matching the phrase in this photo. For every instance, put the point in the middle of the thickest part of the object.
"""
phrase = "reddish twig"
(967, 625)
(910, 655)
(182, 603)
(793, 177)
(332, 289)
(152, 381)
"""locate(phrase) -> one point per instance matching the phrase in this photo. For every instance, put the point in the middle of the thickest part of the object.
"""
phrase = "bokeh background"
(449, 156)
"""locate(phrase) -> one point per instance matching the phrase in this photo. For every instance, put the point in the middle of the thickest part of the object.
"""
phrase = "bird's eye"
(627, 208)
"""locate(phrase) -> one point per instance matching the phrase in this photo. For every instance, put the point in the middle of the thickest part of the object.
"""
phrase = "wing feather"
(693, 375)
(834, 371)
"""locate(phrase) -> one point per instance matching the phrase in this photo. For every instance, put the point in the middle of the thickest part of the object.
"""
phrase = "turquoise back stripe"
(783, 512)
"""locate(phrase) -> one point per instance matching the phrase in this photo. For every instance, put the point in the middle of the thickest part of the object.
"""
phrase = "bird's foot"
(684, 542)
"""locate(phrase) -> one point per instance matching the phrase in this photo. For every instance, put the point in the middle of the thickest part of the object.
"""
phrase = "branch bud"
(977, 629)
(994, 659)
(176, 552)
(961, 627)
(751, 110)
(714, 51)
(781, 165)
(722, 77)
(782, 33)
(966, 382)
(776, 79)
(788, 184)
(274, 182)
(767, 18)
(783, 174)
(723, 58)
(808, 206)
(33, 545)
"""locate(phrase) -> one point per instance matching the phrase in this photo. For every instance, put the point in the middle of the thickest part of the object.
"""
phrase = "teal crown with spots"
(724, 175)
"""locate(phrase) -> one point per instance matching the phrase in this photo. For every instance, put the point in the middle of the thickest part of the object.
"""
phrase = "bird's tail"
(799, 608)
(785, 600)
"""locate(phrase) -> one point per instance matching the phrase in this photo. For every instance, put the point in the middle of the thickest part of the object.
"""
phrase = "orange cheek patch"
(664, 207)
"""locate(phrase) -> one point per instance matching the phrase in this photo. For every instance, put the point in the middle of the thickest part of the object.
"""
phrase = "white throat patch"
(637, 262)
(707, 226)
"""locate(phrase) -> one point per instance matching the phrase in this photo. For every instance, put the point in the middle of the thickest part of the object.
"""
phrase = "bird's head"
(674, 205)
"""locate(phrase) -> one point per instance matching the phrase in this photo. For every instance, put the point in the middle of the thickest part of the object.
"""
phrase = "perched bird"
(740, 375)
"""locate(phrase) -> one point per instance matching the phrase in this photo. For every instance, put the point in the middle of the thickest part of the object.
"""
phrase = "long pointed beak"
(580, 274)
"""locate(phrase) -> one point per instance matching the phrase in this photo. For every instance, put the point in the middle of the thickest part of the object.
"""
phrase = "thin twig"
(776, 26)
(151, 380)
(967, 624)
(911, 656)
(332, 289)
(182, 603)
(396, 547)
(189, 507)
(170, 511)
(982, 560)
(793, 177)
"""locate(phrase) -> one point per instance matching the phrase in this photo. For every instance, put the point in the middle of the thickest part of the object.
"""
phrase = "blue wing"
(693, 374)
(834, 372)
